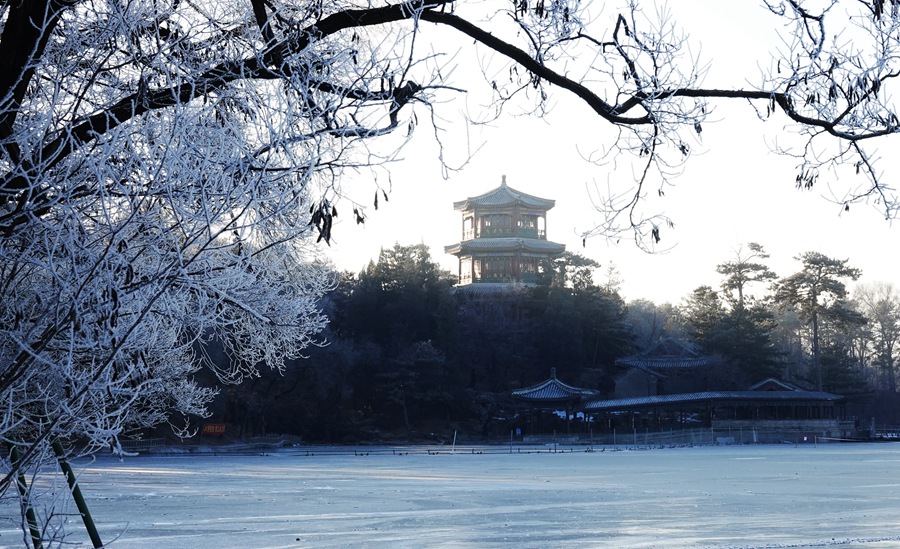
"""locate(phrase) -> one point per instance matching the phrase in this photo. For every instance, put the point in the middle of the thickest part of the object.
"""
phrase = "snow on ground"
(761, 496)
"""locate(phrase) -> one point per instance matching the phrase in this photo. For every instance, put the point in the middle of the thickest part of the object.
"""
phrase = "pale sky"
(733, 190)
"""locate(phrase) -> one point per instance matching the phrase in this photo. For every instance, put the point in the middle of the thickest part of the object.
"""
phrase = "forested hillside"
(411, 357)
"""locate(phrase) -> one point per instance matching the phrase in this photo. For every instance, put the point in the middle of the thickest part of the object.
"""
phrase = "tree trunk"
(406, 419)
(891, 379)
(816, 363)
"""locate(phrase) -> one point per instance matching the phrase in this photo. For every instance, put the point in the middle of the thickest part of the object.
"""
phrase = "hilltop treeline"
(408, 356)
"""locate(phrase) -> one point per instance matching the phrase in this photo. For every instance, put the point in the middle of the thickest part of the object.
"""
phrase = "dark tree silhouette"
(812, 290)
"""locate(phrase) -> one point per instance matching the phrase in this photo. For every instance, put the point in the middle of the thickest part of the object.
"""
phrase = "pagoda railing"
(494, 232)
(494, 277)
(528, 278)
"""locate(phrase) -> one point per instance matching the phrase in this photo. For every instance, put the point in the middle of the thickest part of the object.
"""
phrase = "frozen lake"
(844, 495)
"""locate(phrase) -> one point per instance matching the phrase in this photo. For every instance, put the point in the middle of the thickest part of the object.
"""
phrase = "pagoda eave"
(509, 245)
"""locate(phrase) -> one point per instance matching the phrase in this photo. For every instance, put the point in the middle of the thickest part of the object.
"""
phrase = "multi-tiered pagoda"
(504, 237)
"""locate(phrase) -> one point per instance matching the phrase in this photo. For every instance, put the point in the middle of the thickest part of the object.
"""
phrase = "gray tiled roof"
(504, 196)
(772, 383)
(505, 244)
(663, 362)
(669, 353)
(689, 398)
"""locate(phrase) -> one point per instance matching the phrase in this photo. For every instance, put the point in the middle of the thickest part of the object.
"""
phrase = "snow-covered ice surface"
(771, 496)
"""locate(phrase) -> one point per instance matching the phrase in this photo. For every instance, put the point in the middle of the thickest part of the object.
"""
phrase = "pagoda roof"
(505, 244)
(553, 390)
(493, 288)
(504, 195)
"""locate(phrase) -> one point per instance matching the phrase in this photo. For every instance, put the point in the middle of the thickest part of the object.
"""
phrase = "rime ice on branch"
(165, 166)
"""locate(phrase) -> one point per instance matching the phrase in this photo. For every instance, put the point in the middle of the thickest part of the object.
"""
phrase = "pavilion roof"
(505, 244)
(553, 390)
(504, 195)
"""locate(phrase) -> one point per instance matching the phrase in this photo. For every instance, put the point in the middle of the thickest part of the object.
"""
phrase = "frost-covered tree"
(745, 331)
(880, 303)
(743, 270)
(163, 163)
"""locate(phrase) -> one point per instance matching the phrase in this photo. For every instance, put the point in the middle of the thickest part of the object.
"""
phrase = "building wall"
(636, 383)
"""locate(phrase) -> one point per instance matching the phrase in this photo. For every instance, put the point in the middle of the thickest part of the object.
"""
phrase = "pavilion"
(553, 394)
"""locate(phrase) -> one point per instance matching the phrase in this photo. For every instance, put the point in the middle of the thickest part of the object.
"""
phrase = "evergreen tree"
(703, 311)
(743, 271)
(812, 290)
(842, 371)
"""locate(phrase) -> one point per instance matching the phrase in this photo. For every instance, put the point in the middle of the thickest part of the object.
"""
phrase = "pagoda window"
(497, 269)
(496, 225)
(468, 228)
(528, 265)
(527, 226)
(465, 270)
(528, 269)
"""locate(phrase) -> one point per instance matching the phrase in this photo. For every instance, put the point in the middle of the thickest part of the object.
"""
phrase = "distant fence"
(141, 445)
(887, 432)
(687, 437)
(671, 437)
(275, 441)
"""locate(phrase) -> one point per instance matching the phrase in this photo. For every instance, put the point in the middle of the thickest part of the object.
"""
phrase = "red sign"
(214, 429)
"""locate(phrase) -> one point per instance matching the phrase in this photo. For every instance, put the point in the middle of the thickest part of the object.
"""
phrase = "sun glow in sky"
(733, 190)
